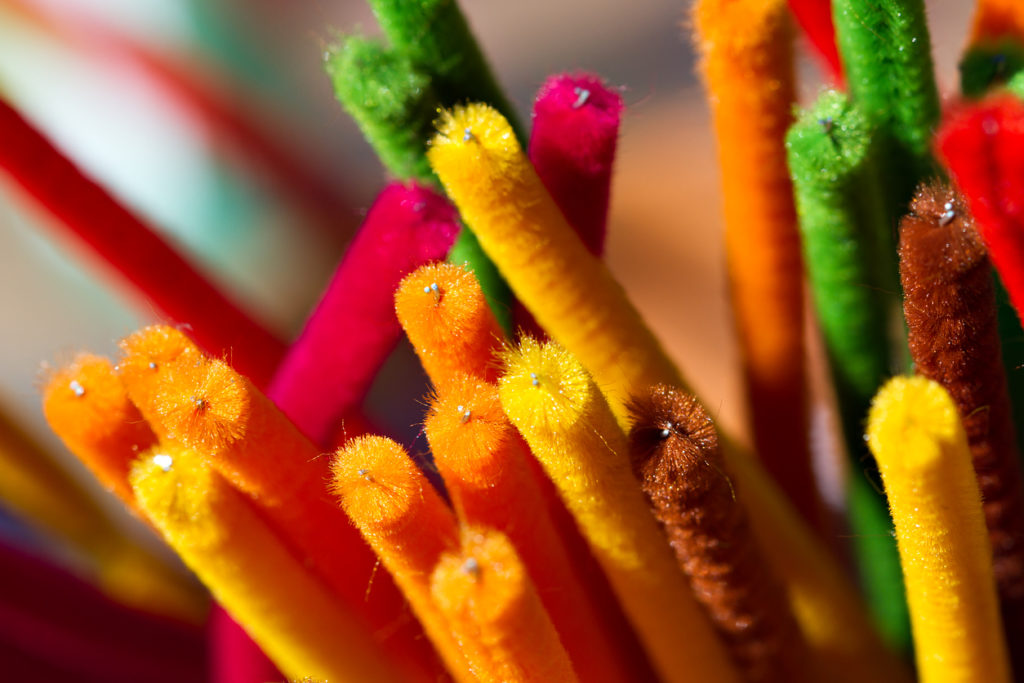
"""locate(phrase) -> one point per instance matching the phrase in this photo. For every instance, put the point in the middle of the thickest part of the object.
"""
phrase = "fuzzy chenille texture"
(331, 365)
(915, 434)
(842, 224)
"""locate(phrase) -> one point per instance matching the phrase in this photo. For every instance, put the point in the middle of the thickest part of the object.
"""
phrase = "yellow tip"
(476, 127)
(475, 139)
(171, 483)
(544, 386)
(916, 413)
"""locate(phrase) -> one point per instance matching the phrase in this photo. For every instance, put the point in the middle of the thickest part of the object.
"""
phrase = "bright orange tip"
(486, 576)
(486, 593)
(203, 404)
(153, 346)
(446, 317)
(378, 483)
(145, 353)
(86, 401)
(466, 424)
(88, 407)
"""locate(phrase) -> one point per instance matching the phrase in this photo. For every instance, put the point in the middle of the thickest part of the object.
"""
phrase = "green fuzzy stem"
(434, 35)
(838, 200)
(394, 105)
(990, 64)
(886, 53)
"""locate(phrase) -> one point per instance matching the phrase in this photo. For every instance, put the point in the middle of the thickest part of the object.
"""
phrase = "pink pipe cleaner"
(332, 364)
(572, 146)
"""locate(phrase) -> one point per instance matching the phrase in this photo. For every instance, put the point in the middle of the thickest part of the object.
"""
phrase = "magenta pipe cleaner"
(572, 146)
(332, 364)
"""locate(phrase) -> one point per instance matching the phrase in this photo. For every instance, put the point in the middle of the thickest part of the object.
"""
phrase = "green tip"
(830, 150)
(990, 64)
(392, 102)
(829, 141)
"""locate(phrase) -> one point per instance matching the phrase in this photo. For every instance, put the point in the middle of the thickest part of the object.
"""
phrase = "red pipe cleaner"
(122, 239)
(983, 147)
(815, 19)
(572, 146)
(73, 632)
(332, 364)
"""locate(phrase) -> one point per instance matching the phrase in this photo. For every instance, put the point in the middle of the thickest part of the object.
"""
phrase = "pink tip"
(983, 147)
(159, 272)
(331, 366)
(572, 146)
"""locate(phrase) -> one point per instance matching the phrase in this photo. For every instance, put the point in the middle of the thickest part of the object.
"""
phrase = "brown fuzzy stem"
(676, 456)
(950, 310)
(949, 304)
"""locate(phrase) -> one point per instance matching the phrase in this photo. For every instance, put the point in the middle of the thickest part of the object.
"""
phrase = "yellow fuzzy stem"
(292, 616)
(568, 290)
(570, 429)
(916, 436)
(489, 598)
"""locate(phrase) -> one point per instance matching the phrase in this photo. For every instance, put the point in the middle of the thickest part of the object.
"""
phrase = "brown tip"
(675, 453)
(664, 417)
(938, 240)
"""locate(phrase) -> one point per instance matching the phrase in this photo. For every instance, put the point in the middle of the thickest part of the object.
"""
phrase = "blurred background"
(177, 105)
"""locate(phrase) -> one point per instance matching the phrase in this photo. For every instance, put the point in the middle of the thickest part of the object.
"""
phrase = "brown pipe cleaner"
(949, 304)
(675, 454)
